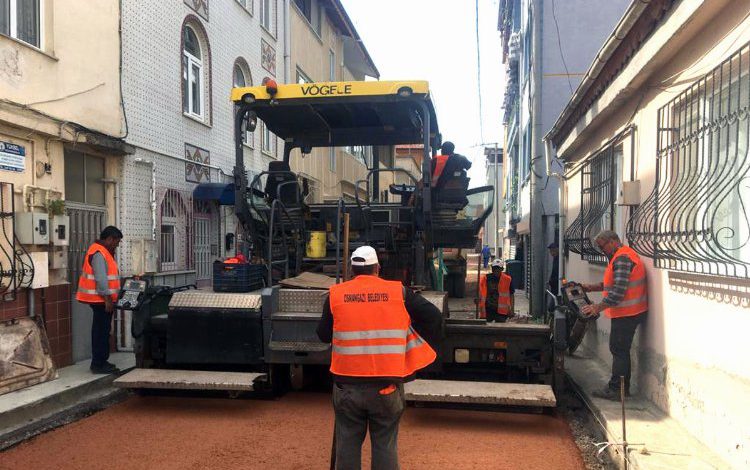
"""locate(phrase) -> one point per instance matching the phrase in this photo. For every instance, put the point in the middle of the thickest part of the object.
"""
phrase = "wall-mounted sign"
(12, 157)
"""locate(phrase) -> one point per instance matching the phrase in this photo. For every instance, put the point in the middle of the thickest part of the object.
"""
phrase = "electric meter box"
(32, 228)
(60, 230)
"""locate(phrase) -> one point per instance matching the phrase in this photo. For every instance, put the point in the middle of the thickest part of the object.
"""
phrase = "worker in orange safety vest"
(381, 333)
(448, 161)
(99, 287)
(625, 302)
(496, 302)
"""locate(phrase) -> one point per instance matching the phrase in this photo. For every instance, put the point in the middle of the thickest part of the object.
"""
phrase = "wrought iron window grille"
(696, 217)
(599, 188)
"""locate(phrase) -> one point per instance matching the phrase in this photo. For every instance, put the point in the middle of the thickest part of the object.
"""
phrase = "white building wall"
(151, 56)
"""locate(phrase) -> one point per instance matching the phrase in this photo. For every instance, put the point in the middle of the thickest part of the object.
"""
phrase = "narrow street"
(294, 432)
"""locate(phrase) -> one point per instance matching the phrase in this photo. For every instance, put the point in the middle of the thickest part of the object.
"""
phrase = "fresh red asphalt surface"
(293, 432)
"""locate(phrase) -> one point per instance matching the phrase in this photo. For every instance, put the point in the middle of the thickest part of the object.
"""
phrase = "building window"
(83, 178)
(331, 66)
(268, 15)
(241, 77)
(599, 189)
(358, 152)
(268, 141)
(302, 77)
(310, 9)
(192, 75)
(21, 19)
(175, 223)
(697, 218)
(247, 5)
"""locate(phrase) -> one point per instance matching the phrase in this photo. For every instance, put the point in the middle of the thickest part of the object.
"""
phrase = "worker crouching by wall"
(496, 302)
(382, 334)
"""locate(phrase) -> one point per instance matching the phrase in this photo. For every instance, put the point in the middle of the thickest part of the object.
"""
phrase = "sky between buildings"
(435, 40)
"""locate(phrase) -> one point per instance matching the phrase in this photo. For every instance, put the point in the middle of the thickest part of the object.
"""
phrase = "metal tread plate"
(314, 316)
(188, 379)
(436, 298)
(302, 346)
(301, 300)
(482, 393)
(215, 300)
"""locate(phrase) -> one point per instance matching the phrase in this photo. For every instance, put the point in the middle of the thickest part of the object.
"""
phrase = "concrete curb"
(74, 394)
(656, 440)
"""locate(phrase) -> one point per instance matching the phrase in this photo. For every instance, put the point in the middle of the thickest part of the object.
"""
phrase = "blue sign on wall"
(12, 157)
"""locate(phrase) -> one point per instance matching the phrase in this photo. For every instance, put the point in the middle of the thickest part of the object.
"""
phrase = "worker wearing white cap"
(381, 335)
(496, 294)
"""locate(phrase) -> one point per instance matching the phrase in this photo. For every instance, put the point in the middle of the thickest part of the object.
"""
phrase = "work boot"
(106, 368)
(608, 394)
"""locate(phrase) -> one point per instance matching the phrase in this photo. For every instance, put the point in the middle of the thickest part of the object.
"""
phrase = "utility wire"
(479, 72)
(559, 46)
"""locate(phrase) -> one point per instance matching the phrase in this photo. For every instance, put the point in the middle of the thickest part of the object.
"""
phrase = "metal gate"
(202, 248)
(86, 223)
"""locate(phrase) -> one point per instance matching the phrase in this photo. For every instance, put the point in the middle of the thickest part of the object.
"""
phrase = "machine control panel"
(132, 294)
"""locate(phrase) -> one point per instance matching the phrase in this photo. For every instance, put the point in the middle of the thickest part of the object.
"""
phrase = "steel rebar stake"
(624, 435)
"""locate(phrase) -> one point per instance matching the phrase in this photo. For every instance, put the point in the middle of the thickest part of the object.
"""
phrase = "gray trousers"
(357, 407)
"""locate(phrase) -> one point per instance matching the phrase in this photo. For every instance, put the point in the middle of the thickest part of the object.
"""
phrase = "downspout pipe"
(548, 151)
(538, 248)
(287, 40)
(152, 193)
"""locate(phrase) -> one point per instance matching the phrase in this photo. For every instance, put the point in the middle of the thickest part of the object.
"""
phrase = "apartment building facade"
(61, 130)
(655, 144)
(547, 46)
(325, 47)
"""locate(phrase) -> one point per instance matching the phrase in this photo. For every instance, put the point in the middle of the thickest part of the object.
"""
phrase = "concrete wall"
(71, 77)
(692, 352)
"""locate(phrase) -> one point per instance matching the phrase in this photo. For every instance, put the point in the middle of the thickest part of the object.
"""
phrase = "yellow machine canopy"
(344, 113)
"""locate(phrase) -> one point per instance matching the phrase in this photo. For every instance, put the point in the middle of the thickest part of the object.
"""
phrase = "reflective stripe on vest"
(635, 300)
(372, 332)
(87, 292)
(503, 295)
(440, 161)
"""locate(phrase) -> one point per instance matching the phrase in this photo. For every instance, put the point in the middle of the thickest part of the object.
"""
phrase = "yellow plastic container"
(316, 247)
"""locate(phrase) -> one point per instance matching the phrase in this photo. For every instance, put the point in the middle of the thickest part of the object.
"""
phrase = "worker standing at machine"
(382, 335)
(625, 302)
(496, 302)
(99, 286)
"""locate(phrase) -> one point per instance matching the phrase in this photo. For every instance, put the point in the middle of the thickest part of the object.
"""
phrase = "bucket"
(316, 247)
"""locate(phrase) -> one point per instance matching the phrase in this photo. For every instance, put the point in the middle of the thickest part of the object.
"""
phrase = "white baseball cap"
(497, 262)
(364, 256)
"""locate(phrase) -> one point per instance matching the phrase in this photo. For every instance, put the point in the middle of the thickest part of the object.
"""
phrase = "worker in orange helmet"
(496, 302)
(381, 335)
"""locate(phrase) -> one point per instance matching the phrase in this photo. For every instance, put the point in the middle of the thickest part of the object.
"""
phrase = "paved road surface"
(294, 432)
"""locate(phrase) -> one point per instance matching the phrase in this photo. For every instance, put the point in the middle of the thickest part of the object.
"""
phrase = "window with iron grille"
(175, 223)
(599, 188)
(696, 217)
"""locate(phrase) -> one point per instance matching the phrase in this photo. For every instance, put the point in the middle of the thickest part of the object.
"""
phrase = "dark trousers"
(620, 341)
(359, 407)
(100, 329)
(492, 315)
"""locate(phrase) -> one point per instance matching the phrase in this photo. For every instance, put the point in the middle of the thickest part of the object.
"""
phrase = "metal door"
(202, 249)
(86, 223)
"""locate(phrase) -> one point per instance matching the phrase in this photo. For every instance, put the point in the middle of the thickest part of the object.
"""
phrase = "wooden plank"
(187, 379)
(485, 393)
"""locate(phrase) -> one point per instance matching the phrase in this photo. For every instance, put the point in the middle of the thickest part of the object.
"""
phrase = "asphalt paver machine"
(278, 223)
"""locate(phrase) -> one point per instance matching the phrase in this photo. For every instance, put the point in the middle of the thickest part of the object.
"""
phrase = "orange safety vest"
(440, 161)
(87, 282)
(372, 332)
(636, 297)
(503, 295)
